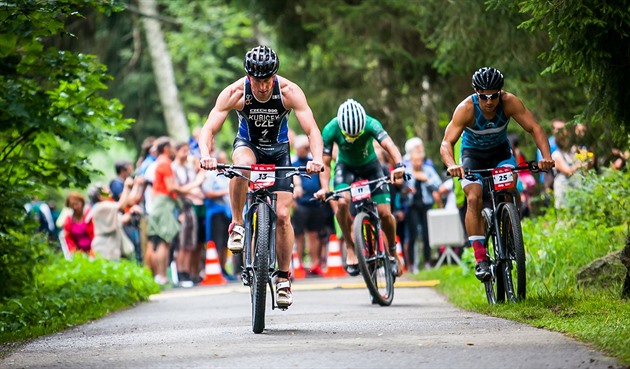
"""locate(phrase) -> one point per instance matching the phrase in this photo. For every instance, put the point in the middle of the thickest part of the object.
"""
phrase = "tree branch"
(12, 145)
(160, 18)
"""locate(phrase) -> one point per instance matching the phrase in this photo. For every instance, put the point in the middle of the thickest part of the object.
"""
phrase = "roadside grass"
(601, 319)
(557, 245)
(68, 293)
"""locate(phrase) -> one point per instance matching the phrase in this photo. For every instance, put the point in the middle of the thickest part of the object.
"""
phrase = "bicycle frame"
(369, 241)
(259, 196)
(256, 198)
(503, 227)
(367, 206)
(496, 205)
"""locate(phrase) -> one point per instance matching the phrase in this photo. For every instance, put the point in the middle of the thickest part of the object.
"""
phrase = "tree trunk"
(176, 124)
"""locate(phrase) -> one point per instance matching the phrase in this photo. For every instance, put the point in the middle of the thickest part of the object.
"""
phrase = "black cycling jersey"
(263, 123)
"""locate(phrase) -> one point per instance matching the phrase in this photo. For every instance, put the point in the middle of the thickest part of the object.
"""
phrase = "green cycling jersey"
(360, 151)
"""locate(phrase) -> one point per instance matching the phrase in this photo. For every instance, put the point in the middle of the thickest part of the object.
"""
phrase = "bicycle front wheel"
(260, 263)
(374, 262)
(494, 287)
(513, 268)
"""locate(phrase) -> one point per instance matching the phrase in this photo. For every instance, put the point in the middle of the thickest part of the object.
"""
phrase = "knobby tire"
(261, 268)
(374, 262)
(512, 238)
(494, 287)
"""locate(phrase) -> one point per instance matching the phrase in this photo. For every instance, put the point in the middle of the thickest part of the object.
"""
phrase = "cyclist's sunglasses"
(489, 97)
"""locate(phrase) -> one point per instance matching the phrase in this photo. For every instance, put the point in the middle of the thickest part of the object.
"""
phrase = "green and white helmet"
(351, 118)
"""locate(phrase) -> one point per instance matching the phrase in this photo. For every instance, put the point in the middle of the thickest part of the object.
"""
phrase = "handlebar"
(532, 166)
(249, 167)
(336, 195)
(231, 171)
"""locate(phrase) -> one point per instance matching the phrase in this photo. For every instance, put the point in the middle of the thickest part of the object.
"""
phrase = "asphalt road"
(332, 324)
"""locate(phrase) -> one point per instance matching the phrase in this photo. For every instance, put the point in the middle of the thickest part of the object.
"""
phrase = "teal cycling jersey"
(486, 133)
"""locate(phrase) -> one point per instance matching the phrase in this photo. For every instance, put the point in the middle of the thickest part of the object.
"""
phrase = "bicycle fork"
(252, 205)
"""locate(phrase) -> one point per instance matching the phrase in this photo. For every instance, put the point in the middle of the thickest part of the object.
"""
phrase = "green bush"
(599, 199)
(593, 224)
(20, 252)
(65, 293)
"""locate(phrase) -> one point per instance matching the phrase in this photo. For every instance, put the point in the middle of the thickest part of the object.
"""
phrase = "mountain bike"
(503, 234)
(259, 248)
(375, 263)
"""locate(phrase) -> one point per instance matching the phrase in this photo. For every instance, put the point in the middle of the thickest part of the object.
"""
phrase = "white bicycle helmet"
(351, 118)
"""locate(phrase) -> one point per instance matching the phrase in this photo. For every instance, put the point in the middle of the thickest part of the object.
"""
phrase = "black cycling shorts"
(277, 154)
(499, 156)
(345, 175)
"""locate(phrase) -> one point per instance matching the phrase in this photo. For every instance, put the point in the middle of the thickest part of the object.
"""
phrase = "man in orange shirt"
(162, 223)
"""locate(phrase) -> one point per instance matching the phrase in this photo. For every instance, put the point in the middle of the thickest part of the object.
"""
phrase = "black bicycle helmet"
(261, 62)
(487, 78)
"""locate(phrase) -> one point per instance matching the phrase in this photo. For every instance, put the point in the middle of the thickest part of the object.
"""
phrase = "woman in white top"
(566, 166)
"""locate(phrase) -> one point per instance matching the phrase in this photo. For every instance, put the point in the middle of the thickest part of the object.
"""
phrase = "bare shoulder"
(511, 103)
(232, 96)
(464, 112)
(291, 92)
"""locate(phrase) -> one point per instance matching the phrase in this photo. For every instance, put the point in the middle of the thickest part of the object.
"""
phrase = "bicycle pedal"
(245, 278)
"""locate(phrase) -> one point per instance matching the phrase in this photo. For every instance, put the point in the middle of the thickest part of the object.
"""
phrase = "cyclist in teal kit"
(263, 100)
(354, 133)
(482, 120)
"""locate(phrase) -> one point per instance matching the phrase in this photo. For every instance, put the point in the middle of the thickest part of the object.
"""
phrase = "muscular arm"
(324, 177)
(515, 107)
(462, 115)
(392, 149)
(231, 98)
(295, 99)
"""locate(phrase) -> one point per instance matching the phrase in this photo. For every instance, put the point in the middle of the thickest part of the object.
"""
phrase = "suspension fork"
(253, 202)
(272, 237)
(249, 220)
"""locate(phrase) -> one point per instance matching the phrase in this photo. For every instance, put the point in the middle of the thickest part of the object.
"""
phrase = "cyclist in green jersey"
(354, 132)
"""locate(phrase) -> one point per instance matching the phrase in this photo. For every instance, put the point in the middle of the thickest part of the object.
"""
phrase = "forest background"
(83, 77)
(408, 62)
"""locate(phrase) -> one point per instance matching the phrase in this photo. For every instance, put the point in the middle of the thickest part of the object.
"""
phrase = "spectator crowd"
(163, 210)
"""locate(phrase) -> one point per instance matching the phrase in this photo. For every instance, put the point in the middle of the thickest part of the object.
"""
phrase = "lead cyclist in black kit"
(263, 101)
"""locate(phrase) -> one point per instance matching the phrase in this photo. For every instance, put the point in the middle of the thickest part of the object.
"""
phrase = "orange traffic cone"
(334, 264)
(298, 269)
(399, 252)
(213, 268)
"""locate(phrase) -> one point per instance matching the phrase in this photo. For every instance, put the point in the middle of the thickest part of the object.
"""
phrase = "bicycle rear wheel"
(512, 239)
(373, 261)
(260, 263)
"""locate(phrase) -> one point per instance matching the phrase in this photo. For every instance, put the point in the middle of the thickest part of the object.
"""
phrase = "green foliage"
(590, 41)
(20, 254)
(594, 224)
(557, 245)
(600, 199)
(207, 48)
(66, 293)
(410, 63)
(52, 114)
(601, 319)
